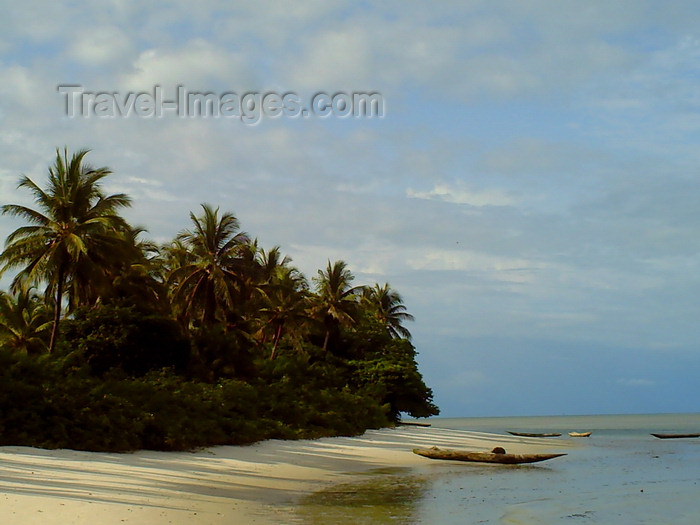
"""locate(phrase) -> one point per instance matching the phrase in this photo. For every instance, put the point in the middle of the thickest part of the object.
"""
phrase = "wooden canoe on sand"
(580, 434)
(483, 457)
(530, 435)
(675, 436)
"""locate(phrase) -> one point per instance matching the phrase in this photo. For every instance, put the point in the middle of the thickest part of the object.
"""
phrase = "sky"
(530, 188)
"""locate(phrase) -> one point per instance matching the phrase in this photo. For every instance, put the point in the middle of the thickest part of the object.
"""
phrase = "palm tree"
(388, 306)
(270, 262)
(250, 274)
(71, 239)
(336, 300)
(206, 282)
(284, 298)
(139, 278)
(174, 255)
(24, 322)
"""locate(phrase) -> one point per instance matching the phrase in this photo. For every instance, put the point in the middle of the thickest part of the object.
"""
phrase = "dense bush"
(392, 377)
(119, 337)
(221, 353)
(123, 379)
(51, 403)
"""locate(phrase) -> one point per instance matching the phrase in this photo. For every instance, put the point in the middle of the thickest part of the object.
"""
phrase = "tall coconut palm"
(205, 286)
(388, 306)
(72, 238)
(336, 300)
(284, 301)
(24, 322)
(250, 274)
(270, 262)
(270, 266)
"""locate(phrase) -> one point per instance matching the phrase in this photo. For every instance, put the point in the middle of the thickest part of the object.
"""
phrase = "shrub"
(117, 337)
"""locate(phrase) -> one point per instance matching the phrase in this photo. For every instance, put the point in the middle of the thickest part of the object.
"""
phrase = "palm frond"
(17, 210)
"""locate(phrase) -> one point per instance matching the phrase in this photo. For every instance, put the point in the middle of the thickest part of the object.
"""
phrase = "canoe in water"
(483, 457)
(580, 434)
(530, 435)
(675, 436)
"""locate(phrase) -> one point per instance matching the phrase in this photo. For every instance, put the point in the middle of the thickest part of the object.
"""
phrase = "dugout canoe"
(483, 457)
(531, 435)
(580, 434)
(675, 436)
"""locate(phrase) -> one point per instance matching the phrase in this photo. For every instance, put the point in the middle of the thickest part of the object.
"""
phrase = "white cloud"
(334, 60)
(198, 65)
(462, 195)
(100, 46)
(465, 260)
(21, 86)
(38, 21)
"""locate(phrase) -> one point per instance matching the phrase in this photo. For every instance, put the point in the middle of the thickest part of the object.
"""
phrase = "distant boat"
(675, 436)
(483, 457)
(530, 435)
(580, 434)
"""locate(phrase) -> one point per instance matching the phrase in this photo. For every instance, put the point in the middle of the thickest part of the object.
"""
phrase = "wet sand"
(222, 485)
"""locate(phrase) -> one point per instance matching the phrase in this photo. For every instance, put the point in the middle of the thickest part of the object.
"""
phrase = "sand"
(221, 485)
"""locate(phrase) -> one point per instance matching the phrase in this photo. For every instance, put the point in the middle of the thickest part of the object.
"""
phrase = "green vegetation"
(109, 342)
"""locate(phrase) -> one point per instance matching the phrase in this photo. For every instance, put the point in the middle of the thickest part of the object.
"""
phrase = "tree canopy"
(73, 240)
(206, 315)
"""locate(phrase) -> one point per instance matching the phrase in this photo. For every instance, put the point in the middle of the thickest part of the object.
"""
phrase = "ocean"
(620, 475)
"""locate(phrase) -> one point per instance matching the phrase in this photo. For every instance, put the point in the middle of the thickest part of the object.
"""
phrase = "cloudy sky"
(531, 188)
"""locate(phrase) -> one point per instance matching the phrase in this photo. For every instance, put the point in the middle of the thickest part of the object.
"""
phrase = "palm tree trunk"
(278, 336)
(325, 341)
(57, 311)
(209, 314)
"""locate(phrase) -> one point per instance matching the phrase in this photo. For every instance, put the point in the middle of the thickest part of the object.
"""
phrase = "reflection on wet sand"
(388, 496)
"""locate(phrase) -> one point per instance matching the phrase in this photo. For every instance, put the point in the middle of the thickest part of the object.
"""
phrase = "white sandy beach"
(221, 485)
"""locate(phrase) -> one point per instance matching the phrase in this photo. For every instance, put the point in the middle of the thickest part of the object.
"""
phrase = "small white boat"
(580, 434)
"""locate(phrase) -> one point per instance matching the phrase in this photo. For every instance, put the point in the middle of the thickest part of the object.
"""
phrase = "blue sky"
(532, 189)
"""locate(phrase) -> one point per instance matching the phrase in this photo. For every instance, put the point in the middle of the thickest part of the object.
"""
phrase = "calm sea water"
(620, 475)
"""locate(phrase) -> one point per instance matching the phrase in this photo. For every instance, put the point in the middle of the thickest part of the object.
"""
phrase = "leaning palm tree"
(204, 287)
(24, 322)
(387, 305)
(336, 299)
(71, 239)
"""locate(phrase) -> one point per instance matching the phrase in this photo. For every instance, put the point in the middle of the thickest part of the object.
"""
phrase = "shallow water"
(620, 475)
